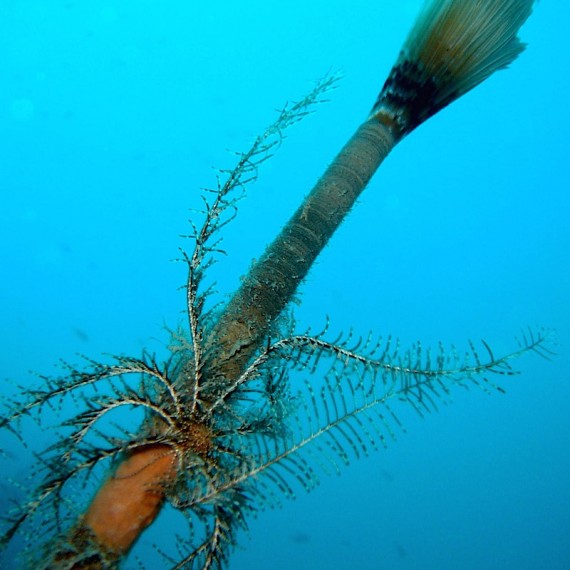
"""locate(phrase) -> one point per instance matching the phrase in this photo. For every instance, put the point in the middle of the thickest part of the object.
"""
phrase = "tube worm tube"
(273, 280)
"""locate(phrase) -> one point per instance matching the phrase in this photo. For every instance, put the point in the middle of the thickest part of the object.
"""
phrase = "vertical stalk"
(272, 282)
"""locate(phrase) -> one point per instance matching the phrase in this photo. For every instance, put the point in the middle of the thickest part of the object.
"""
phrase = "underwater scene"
(178, 393)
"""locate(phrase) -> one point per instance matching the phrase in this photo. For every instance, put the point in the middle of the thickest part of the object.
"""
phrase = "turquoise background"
(112, 115)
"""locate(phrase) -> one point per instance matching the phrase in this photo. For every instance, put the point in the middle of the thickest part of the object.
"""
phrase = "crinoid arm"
(220, 209)
(336, 401)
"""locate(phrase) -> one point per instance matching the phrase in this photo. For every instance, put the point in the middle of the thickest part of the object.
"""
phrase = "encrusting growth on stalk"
(224, 430)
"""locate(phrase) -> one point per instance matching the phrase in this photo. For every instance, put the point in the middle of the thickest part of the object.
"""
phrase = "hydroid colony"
(223, 429)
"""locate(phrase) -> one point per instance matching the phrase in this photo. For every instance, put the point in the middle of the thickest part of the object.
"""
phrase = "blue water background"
(112, 115)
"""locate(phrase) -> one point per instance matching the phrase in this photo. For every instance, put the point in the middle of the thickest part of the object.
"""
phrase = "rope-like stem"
(272, 282)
